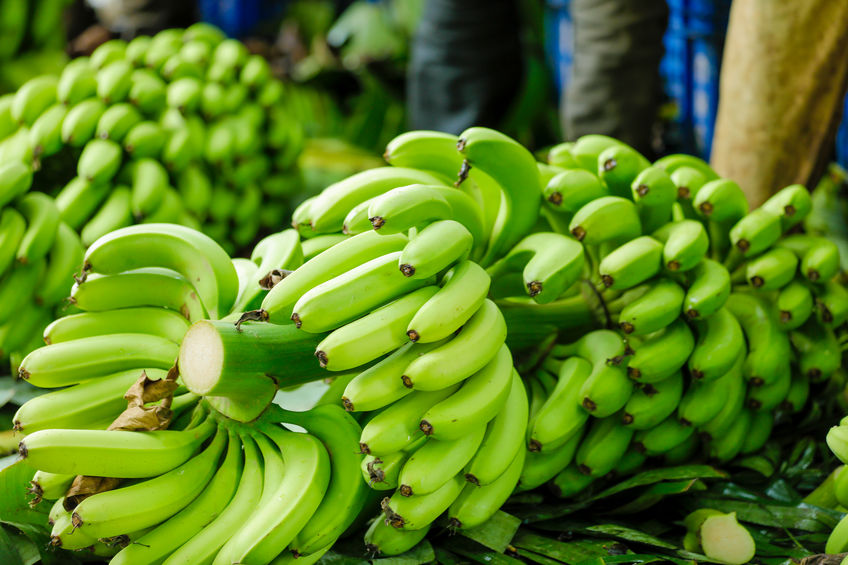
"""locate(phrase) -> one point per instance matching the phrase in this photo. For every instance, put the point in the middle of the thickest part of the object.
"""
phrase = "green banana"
(152, 320)
(561, 417)
(438, 461)
(32, 98)
(12, 228)
(150, 286)
(476, 504)
(572, 189)
(703, 400)
(685, 244)
(158, 543)
(653, 403)
(15, 180)
(80, 123)
(550, 264)
(768, 346)
(819, 352)
(45, 135)
(832, 304)
(149, 184)
(192, 254)
(434, 249)
(144, 139)
(64, 259)
(721, 201)
(605, 443)
(730, 443)
(586, 149)
(570, 481)
(676, 161)
(107, 52)
(708, 289)
(720, 343)
(794, 305)
(147, 92)
(772, 270)
(734, 403)
(117, 121)
(482, 395)
(381, 473)
(609, 218)
(654, 193)
(768, 397)
(396, 427)
(82, 359)
(383, 539)
(514, 169)
(755, 232)
(78, 200)
(792, 204)
(18, 287)
(416, 512)
(372, 335)
(661, 354)
(632, 263)
(662, 438)
(477, 343)
(147, 503)
(461, 295)
(618, 166)
(799, 392)
(99, 161)
(606, 390)
(113, 81)
(819, 256)
(114, 214)
(42, 218)
(542, 466)
(112, 453)
(335, 261)
(654, 310)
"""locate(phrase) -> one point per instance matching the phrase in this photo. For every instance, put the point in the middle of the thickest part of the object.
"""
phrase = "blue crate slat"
(559, 41)
(842, 137)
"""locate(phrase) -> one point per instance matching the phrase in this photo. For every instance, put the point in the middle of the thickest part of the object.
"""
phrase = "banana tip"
(626, 327)
(407, 270)
(322, 359)
(348, 405)
(610, 164)
(22, 450)
(426, 427)
(534, 288)
(535, 446)
(471, 478)
(405, 490)
(579, 233)
(413, 335)
(607, 280)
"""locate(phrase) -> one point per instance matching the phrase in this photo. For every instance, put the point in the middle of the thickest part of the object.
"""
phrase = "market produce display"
(493, 324)
(184, 127)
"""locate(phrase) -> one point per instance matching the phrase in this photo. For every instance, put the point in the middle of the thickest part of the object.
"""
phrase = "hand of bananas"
(184, 127)
(662, 308)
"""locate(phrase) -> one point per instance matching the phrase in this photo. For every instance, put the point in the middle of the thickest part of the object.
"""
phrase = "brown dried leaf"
(84, 486)
(146, 390)
(143, 418)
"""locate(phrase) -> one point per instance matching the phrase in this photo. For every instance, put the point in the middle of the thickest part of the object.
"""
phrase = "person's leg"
(615, 86)
(466, 64)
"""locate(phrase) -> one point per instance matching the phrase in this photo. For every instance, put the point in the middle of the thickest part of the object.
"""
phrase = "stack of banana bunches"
(184, 127)
(491, 324)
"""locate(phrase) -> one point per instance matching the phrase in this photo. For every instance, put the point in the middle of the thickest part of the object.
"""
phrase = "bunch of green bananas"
(183, 127)
(209, 485)
(31, 25)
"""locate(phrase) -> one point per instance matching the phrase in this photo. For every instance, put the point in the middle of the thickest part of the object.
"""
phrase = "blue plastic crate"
(559, 41)
(842, 138)
(237, 18)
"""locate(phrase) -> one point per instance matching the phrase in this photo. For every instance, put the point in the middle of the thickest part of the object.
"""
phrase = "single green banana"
(819, 352)
(792, 204)
(64, 260)
(729, 444)
(45, 135)
(734, 403)
(396, 427)
(685, 244)
(756, 232)
(476, 504)
(653, 403)
(12, 229)
(658, 308)
(149, 183)
(772, 270)
(794, 305)
(799, 392)
(461, 295)
(80, 123)
(720, 343)
(337, 260)
(662, 438)
(439, 461)
(632, 263)
(72, 362)
(572, 189)
(676, 161)
(373, 335)
(99, 161)
(32, 98)
(605, 443)
(768, 397)
(708, 290)
(481, 397)
(562, 416)
(78, 201)
(586, 149)
(819, 256)
(15, 180)
(542, 466)
(42, 218)
(435, 248)
(18, 286)
(115, 213)
(145, 139)
(381, 473)
(768, 346)
(721, 201)
(570, 481)
(416, 512)
(703, 400)
(383, 539)
(609, 218)
(478, 342)
(831, 304)
(618, 166)
(117, 121)
(654, 193)
(147, 92)
(550, 264)
(112, 453)
(107, 52)
(113, 81)
(661, 354)
(606, 390)
(504, 438)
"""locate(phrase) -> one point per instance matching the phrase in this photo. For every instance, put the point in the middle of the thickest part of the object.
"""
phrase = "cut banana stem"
(219, 359)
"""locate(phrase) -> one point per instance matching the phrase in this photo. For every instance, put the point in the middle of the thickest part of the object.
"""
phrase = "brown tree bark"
(783, 82)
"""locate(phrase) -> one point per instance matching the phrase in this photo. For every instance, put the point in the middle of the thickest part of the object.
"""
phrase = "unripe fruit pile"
(648, 313)
(184, 127)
